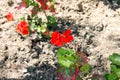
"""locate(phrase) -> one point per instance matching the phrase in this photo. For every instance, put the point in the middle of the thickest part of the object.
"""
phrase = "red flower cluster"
(60, 39)
(9, 16)
(22, 28)
(47, 5)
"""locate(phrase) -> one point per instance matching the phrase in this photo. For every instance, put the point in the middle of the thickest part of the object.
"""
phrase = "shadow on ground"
(113, 4)
(43, 72)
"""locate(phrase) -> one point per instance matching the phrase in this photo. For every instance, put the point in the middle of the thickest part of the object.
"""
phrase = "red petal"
(55, 34)
(53, 41)
(59, 43)
(56, 42)
(67, 32)
(22, 28)
(68, 39)
(57, 39)
(9, 16)
(24, 32)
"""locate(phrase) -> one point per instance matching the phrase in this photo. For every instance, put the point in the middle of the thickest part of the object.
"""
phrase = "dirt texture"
(95, 27)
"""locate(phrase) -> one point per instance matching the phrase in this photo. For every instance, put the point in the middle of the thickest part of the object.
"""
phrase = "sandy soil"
(96, 30)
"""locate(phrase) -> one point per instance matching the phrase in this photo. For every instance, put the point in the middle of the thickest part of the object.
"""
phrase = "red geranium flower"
(60, 39)
(67, 36)
(9, 16)
(22, 28)
(57, 39)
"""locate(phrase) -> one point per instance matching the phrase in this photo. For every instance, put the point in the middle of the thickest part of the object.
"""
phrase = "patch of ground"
(96, 32)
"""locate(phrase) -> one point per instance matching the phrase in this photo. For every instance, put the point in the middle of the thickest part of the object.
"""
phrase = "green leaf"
(34, 4)
(79, 78)
(85, 68)
(115, 59)
(43, 27)
(111, 76)
(70, 52)
(106, 76)
(65, 62)
(32, 26)
(22, 19)
(61, 52)
(38, 29)
(52, 0)
(51, 19)
(31, 3)
(39, 36)
(51, 24)
(28, 2)
(66, 58)
(113, 68)
(39, 20)
(69, 71)
(118, 2)
(65, 53)
(117, 72)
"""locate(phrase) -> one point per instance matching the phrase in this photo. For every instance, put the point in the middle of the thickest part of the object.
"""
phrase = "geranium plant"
(34, 25)
(115, 68)
(71, 64)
